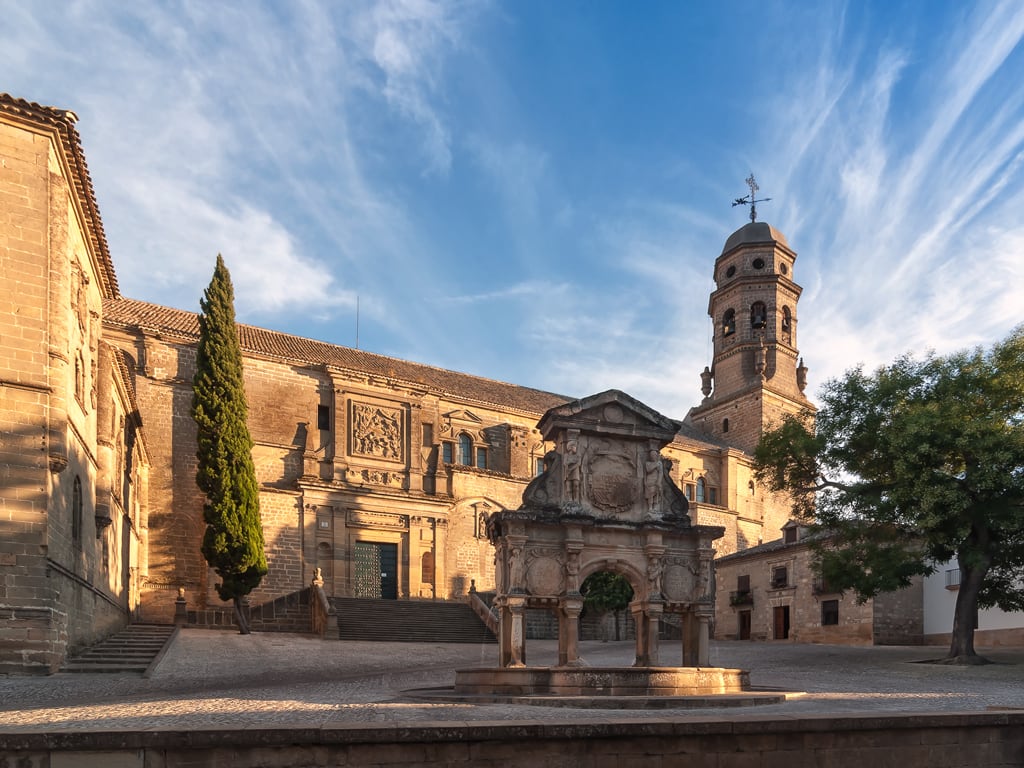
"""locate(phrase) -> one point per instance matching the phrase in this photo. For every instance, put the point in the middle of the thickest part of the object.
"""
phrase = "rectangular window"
(465, 450)
(952, 578)
(743, 583)
(691, 490)
(538, 467)
(481, 458)
(428, 435)
(712, 495)
(323, 417)
(780, 577)
(447, 452)
(829, 612)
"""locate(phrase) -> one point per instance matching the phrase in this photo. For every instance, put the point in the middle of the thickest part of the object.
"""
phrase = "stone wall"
(67, 547)
(898, 617)
(982, 740)
(889, 619)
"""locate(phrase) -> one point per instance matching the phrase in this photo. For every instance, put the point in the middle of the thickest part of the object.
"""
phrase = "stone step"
(132, 650)
(409, 621)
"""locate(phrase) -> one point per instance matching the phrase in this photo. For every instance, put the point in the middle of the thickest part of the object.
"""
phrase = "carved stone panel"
(358, 518)
(678, 583)
(614, 486)
(544, 576)
(377, 431)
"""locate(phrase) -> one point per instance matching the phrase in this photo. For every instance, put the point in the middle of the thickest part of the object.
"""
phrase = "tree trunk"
(961, 647)
(241, 618)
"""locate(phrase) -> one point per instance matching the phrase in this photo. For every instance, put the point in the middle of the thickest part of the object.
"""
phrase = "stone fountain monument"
(604, 502)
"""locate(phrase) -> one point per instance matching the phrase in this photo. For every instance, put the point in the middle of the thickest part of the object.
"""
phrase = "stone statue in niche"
(377, 431)
(80, 297)
(654, 567)
(572, 572)
(572, 471)
(517, 569)
(653, 477)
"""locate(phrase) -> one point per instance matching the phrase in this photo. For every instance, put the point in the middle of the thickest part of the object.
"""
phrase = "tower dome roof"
(754, 232)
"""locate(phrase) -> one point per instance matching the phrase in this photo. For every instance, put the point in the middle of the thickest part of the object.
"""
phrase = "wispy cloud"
(887, 200)
(529, 290)
(429, 158)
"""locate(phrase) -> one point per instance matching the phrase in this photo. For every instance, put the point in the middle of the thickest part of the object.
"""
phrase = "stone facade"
(771, 592)
(72, 461)
(367, 464)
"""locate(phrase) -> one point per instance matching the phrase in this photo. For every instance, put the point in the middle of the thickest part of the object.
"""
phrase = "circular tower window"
(730, 271)
(758, 264)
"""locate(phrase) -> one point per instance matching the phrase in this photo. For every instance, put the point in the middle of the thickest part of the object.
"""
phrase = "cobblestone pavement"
(213, 679)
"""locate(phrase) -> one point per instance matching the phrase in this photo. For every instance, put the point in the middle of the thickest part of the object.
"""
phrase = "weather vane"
(752, 200)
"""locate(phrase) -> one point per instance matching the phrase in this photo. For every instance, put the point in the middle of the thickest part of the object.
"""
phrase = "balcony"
(822, 587)
(741, 597)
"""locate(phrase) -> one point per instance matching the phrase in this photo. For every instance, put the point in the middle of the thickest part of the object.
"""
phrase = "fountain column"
(569, 632)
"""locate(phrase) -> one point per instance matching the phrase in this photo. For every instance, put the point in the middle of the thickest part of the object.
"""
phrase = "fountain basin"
(602, 681)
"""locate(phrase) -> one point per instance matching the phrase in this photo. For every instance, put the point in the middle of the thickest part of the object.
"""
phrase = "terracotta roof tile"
(133, 314)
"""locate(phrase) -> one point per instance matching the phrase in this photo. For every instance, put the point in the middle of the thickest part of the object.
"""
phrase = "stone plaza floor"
(210, 679)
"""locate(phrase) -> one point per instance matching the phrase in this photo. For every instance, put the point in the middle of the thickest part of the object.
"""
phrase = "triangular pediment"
(610, 412)
(464, 416)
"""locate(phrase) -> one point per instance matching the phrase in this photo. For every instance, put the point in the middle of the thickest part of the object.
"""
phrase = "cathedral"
(376, 473)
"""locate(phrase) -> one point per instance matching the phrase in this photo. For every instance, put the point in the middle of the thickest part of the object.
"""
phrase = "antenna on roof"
(751, 199)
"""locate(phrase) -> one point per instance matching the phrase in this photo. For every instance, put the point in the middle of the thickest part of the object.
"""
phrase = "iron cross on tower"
(751, 199)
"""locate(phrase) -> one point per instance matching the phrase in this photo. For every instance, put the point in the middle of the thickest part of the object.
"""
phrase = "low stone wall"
(984, 638)
(977, 740)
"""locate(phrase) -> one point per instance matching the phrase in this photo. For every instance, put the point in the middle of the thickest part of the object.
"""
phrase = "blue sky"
(537, 191)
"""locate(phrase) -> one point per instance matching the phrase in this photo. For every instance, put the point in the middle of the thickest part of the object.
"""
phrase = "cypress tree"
(233, 542)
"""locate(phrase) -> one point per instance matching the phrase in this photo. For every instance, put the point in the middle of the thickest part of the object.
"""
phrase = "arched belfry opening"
(604, 502)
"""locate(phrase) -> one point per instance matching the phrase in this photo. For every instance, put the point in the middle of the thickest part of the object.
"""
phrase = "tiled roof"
(62, 122)
(132, 314)
(771, 546)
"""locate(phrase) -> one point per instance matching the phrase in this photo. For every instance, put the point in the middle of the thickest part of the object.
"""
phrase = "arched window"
(758, 315)
(465, 450)
(787, 319)
(729, 322)
(76, 511)
(701, 488)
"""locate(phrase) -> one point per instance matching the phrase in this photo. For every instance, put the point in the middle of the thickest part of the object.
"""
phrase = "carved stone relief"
(377, 431)
(613, 482)
(544, 576)
(678, 582)
(358, 518)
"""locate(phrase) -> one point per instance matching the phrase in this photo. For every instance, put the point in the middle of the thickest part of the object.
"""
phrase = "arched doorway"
(606, 598)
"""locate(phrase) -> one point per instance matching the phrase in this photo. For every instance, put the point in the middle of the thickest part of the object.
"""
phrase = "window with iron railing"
(741, 597)
(952, 578)
(780, 577)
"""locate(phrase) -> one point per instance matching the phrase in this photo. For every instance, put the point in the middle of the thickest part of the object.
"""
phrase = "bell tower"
(756, 374)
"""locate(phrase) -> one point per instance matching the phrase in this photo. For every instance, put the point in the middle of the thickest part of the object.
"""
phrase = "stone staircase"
(411, 621)
(131, 651)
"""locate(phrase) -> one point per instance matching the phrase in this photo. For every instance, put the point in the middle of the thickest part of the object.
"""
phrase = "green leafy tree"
(919, 463)
(606, 592)
(233, 542)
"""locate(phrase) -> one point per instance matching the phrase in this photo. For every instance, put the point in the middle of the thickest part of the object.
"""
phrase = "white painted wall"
(940, 602)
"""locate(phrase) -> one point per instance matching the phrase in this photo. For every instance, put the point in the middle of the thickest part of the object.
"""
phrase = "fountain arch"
(604, 502)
